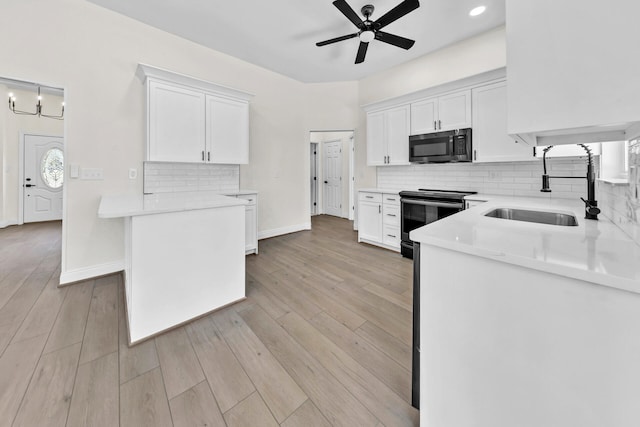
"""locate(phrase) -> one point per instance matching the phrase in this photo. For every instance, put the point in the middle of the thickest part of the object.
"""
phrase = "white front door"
(333, 178)
(43, 178)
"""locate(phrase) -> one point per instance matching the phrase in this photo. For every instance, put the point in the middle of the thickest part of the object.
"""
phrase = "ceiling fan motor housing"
(367, 10)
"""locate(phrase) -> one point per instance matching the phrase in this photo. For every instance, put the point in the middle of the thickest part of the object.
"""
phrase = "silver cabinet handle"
(439, 125)
(435, 125)
(388, 159)
(474, 155)
(392, 200)
(391, 214)
(391, 235)
(369, 197)
(208, 156)
(203, 155)
(379, 209)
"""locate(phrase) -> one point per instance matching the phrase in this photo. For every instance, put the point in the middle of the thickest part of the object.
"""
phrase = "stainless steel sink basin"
(541, 217)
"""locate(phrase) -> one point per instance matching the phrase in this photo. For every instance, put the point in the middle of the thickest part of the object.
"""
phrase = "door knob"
(29, 185)
(326, 182)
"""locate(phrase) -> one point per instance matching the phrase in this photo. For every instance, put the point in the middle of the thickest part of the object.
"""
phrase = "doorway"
(43, 177)
(332, 166)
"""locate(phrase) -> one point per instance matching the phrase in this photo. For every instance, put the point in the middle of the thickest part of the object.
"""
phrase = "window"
(52, 168)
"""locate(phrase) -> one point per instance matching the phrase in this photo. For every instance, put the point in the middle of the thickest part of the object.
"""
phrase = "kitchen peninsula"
(184, 256)
(528, 324)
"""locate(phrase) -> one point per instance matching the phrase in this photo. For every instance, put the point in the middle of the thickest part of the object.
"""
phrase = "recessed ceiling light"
(477, 11)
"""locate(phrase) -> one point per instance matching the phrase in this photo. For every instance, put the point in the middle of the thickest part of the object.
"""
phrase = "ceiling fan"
(370, 30)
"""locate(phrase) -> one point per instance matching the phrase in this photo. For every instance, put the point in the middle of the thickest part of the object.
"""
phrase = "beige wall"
(11, 127)
(93, 54)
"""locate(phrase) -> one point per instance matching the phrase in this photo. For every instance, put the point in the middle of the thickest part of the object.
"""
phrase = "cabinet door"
(227, 130)
(424, 116)
(176, 124)
(397, 134)
(370, 221)
(376, 144)
(250, 229)
(454, 111)
(490, 140)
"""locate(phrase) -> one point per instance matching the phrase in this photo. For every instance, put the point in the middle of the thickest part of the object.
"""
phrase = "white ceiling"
(280, 35)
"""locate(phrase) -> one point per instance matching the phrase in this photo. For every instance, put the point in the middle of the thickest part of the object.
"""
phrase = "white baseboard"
(5, 224)
(283, 230)
(94, 271)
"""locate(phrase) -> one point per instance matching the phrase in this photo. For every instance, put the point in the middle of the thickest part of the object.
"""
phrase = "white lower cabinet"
(379, 219)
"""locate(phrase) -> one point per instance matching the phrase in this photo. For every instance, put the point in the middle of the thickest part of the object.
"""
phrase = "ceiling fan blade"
(337, 39)
(394, 40)
(362, 52)
(349, 13)
(396, 13)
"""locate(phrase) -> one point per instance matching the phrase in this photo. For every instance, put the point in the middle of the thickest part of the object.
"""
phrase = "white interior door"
(43, 178)
(333, 178)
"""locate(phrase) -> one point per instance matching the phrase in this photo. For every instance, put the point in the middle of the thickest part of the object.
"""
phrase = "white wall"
(11, 127)
(93, 54)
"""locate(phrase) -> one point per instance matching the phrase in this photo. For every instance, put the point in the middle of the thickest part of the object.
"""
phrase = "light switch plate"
(94, 174)
(133, 173)
(74, 171)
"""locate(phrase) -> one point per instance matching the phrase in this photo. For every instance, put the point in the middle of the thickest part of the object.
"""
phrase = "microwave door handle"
(435, 204)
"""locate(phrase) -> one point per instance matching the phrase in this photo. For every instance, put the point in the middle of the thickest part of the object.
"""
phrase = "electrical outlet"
(495, 175)
(94, 174)
(133, 173)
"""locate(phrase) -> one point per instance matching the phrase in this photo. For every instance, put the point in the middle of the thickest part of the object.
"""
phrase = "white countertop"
(240, 192)
(148, 204)
(381, 190)
(594, 251)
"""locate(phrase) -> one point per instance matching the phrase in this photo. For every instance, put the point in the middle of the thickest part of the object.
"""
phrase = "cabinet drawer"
(391, 235)
(251, 198)
(370, 197)
(391, 215)
(391, 199)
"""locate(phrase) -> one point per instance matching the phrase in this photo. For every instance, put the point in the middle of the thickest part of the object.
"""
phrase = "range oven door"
(416, 213)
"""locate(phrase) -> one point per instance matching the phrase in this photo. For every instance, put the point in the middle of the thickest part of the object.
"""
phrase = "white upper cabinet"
(176, 123)
(388, 136)
(572, 69)
(490, 140)
(227, 127)
(191, 120)
(446, 112)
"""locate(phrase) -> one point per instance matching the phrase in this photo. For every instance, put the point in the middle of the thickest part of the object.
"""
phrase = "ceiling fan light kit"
(370, 30)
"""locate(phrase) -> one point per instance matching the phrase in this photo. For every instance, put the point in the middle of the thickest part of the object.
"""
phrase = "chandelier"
(38, 112)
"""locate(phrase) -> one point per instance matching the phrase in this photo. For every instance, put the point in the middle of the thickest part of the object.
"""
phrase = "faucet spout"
(591, 204)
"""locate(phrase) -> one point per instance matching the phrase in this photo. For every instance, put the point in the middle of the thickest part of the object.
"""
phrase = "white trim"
(146, 71)
(283, 230)
(5, 224)
(91, 272)
(352, 155)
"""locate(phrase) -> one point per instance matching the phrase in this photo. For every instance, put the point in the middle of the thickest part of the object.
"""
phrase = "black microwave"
(441, 147)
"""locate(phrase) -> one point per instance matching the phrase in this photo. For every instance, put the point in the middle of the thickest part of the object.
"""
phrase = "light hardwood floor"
(323, 339)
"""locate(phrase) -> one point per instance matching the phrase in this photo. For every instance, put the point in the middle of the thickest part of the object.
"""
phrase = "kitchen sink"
(541, 217)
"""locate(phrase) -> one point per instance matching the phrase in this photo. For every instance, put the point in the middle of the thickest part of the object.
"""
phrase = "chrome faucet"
(591, 209)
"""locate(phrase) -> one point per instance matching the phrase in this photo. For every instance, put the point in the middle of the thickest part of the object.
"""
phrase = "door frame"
(21, 173)
(352, 153)
(315, 146)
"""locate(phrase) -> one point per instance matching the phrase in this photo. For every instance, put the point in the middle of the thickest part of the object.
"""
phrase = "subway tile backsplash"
(177, 177)
(511, 179)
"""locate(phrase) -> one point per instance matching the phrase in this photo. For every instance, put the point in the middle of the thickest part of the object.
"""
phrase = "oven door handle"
(436, 204)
